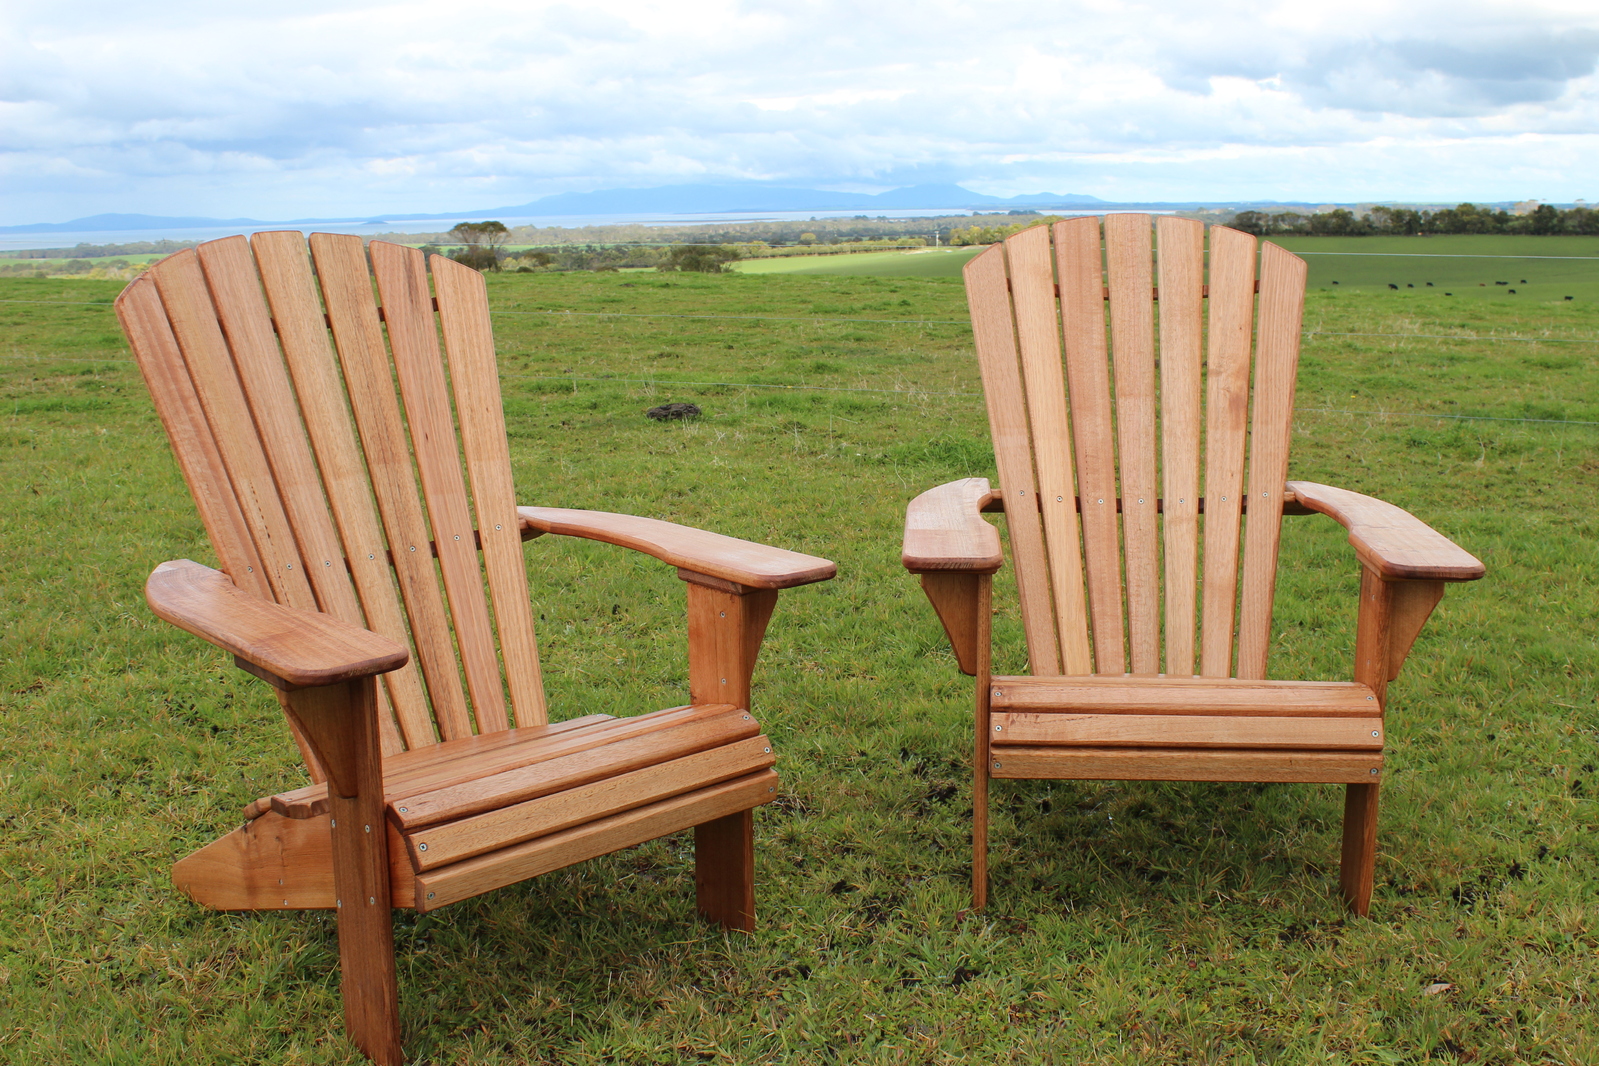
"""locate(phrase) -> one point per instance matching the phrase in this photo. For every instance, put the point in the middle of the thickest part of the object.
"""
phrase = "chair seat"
(1184, 729)
(461, 799)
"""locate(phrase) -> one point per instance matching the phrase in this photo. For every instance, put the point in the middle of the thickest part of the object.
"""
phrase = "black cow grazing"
(1429, 284)
(1512, 292)
(1410, 284)
(1571, 297)
(1501, 283)
(1523, 281)
(1335, 283)
(1392, 286)
(1448, 294)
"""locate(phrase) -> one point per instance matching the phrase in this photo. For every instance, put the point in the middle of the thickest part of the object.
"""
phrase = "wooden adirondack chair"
(1101, 491)
(424, 793)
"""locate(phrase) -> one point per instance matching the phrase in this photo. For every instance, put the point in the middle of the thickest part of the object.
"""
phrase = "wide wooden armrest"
(1391, 541)
(945, 530)
(728, 558)
(304, 648)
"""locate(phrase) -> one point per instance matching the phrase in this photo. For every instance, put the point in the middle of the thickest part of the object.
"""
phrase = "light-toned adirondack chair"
(276, 384)
(1100, 460)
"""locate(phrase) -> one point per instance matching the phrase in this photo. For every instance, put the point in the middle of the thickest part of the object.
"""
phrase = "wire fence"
(916, 393)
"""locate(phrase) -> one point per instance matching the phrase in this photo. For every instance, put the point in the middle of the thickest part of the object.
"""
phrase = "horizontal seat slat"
(451, 762)
(1185, 695)
(622, 754)
(1038, 762)
(470, 877)
(1304, 732)
(439, 845)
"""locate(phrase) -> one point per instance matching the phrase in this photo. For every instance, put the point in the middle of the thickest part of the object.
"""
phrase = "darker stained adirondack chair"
(1108, 517)
(277, 388)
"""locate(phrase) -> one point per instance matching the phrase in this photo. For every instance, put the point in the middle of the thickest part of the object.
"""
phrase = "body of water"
(19, 241)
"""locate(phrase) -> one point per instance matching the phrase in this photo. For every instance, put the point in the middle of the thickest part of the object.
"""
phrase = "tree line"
(1543, 220)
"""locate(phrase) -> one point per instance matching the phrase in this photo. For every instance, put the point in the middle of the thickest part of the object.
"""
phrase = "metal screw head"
(999, 729)
(431, 895)
(996, 766)
(496, 525)
(405, 810)
(421, 847)
(723, 614)
(1373, 771)
(371, 900)
(1373, 732)
(768, 751)
(1101, 501)
(334, 822)
(771, 788)
(368, 829)
(1371, 697)
(327, 562)
(1060, 499)
(724, 680)
(338, 903)
(413, 547)
(371, 555)
(458, 536)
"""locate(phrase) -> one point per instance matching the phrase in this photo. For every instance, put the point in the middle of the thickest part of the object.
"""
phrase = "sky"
(317, 108)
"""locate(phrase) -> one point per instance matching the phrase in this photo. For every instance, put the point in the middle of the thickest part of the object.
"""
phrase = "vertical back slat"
(144, 320)
(1129, 272)
(347, 292)
(994, 333)
(1032, 281)
(1082, 309)
(1282, 304)
(247, 324)
(1182, 279)
(285, 270)
(474, 375)
(194, 323)
(401, 275)
(1232, 305)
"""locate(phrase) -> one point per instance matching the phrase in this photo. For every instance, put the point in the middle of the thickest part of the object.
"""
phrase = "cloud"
(297, 108)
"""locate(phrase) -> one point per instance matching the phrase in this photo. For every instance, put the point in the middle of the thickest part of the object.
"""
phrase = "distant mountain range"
(666, 199)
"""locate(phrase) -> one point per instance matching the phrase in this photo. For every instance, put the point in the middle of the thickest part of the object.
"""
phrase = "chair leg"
(1359, 868)
(724, 870)
(980, 829)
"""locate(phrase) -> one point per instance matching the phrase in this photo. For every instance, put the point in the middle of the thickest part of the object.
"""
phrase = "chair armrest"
(728, 558)
(1391, 542)
(945, 530)
(303, 648)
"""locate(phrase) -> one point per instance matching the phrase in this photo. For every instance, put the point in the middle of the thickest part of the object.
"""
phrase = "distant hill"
(665, 199)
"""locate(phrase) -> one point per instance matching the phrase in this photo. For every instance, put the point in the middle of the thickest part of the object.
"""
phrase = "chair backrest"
(324, 486)
(1101, 455)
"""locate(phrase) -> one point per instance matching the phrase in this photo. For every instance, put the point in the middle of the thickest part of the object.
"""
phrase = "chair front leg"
(726, 622)
(341, 723)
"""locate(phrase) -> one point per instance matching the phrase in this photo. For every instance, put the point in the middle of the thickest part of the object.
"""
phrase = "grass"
(1131, 923)
(917, 263)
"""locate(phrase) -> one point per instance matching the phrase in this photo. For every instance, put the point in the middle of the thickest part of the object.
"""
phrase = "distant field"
(1467, 266)
(919, 263)
(1539, 269)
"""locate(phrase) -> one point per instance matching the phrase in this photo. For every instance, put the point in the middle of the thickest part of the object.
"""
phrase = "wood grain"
(285, 267)
(1129, 270)
(402, 280)
(469, 878)
(1282, 306)
(994, 334)
(1232, 319)
(1185, 695)
(301, 647)
(1183, 764)
(741, 561)
(945, 530)
(1186, 731)
(955, 597)
(438, 845)
(1181, 280)
(1082, 310)
(347, 289)
(1392, 542)
(474, 377)
(194, 323)
(622, 755)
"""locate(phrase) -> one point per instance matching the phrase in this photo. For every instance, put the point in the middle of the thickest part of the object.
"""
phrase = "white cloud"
(298, 108)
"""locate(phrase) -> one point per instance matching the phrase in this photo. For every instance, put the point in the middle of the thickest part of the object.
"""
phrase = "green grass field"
(1131, 923)
(919, 263)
